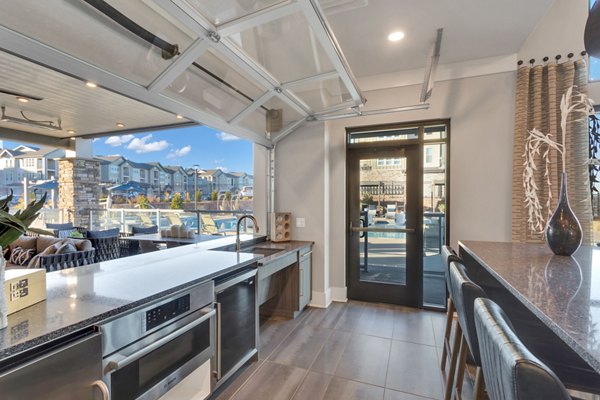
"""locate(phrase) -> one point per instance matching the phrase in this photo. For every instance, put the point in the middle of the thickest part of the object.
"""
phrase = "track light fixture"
(55, 126)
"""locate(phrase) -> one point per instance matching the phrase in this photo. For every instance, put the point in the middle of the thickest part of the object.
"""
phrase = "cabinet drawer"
(66, 373)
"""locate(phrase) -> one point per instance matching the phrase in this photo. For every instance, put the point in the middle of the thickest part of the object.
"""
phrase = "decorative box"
(24, 287)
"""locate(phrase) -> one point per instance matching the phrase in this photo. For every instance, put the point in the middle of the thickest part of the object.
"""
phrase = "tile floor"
(349, 351)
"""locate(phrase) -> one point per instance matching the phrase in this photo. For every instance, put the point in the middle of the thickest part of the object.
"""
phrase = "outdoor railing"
(203, 221)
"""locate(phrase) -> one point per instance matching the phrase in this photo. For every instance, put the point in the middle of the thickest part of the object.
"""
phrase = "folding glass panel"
(221, 11)
(322, 94)
(211, 84)
(82, 31)
(286, 47)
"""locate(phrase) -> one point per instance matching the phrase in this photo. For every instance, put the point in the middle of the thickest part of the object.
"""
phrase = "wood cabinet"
(285, 284)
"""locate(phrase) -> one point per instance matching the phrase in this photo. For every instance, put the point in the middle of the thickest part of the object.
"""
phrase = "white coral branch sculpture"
(538, 143)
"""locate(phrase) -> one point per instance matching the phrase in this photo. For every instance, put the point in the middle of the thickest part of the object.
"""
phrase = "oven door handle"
(115, 365)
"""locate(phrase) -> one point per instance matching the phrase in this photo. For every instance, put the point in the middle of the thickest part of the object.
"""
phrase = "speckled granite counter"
(79, 297)
(563, 292)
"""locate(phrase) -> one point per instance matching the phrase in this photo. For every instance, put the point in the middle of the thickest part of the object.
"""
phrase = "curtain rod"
(558, 57)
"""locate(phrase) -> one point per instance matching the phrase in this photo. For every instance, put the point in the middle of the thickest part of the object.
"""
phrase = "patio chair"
(209, 226)
(146, 220)
(106, 244)
(174, 219)
(145, 246)
(64, 230)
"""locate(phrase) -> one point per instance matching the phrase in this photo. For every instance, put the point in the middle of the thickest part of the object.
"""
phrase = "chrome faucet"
(238, 243)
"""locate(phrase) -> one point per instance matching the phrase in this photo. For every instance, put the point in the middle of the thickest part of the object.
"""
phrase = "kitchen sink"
(263, 250)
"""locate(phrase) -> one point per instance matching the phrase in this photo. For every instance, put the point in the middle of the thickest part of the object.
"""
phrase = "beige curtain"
(539, 91)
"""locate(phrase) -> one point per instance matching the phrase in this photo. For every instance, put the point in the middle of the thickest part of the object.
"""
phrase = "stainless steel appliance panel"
(70, 372)
(123, 330)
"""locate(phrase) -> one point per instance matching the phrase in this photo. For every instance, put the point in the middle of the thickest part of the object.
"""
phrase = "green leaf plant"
(13, 226)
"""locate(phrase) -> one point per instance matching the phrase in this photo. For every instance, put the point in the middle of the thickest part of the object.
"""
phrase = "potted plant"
(12, 226)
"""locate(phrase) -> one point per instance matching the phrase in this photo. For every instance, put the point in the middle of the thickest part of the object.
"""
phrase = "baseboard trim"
(321, 299)
(339, 294)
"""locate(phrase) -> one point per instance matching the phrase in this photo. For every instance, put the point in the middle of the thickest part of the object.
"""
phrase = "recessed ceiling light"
(396, 36)
(120, 125)
(91, 84)
(179, 116)
(23, 99)
(71, 131)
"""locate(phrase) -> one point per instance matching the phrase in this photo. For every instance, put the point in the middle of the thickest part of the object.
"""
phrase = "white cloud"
(144, 146)
(223, 169)
(185, 150)
(117, 141)
(219, 161)
(226, 137)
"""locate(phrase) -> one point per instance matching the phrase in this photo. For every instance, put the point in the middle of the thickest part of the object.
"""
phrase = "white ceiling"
(473, 29)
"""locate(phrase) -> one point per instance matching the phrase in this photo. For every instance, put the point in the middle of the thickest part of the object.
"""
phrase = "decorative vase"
(3, 306)
(563, 232)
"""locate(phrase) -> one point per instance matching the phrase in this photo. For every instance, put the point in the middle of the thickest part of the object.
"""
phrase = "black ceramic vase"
(563, 233)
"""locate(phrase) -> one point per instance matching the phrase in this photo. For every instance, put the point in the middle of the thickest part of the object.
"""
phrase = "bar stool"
(448, 350)
(511, 371)
(464, 292)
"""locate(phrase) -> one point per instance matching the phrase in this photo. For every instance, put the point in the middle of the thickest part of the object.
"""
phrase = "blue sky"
(184, 146)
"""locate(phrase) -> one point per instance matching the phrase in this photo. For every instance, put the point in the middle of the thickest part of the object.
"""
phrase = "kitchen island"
(79, 300)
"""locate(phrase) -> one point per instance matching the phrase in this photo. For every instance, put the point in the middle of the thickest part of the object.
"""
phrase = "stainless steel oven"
(149, 351)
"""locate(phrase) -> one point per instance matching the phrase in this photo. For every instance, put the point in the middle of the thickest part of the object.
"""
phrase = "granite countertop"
(77, 298)
(564, 292)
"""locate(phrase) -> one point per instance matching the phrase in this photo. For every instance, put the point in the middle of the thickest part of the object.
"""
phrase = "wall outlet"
(300, 223)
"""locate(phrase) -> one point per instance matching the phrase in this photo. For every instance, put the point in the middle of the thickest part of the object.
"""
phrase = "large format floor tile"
(340, 388)
(365, 359)
(414, 369)
(272, 381)
(349, 351)
(301, 347)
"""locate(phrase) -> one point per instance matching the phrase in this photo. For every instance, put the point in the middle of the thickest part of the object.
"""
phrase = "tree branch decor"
(539, 144)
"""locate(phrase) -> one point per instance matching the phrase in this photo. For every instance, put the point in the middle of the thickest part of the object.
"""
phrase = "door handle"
(103, 389)
(383, 230)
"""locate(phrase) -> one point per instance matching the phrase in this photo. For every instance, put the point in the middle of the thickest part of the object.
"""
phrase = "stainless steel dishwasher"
(237, 322)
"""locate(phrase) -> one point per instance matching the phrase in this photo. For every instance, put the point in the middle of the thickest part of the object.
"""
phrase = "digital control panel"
(166, 312)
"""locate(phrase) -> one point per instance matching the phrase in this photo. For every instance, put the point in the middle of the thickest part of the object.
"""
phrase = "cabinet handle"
(219, 333)
(103, 389)
(301, 285)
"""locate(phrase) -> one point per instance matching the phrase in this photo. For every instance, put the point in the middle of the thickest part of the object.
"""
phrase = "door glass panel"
(382, 204)
(78, 29)
(434, 222)
(280, 116)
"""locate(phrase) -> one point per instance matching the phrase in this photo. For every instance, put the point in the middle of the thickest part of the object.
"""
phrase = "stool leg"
(453, 361)
(460, 372)
(447, 332)
(479, 384)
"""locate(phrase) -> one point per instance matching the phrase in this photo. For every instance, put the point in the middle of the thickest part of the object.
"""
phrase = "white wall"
(481, 111)
(300, 165)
